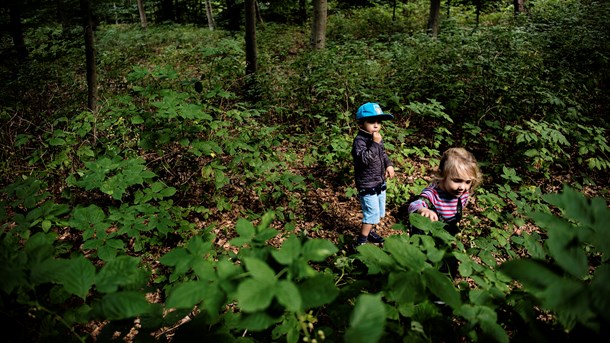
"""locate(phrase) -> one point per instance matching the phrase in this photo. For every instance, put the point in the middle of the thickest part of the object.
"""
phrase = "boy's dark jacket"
(370, 161)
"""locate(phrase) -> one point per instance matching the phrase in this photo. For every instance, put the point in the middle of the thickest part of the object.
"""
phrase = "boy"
(372, 167)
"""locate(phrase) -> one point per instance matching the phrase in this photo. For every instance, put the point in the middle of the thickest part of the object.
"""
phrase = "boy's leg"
(364, 233)
(372, 235)
(371, 216)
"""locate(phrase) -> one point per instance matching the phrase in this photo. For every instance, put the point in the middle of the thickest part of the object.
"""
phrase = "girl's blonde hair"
(459, 161)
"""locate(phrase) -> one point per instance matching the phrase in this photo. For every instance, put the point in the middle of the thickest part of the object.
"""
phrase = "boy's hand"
(376, 137)
(389, 172)
(428, 214)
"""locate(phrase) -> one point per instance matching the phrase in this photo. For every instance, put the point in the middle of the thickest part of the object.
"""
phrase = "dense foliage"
(180, 199)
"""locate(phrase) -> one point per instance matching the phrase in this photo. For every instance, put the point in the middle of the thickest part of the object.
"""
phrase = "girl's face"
(371, 125)
(456, 185)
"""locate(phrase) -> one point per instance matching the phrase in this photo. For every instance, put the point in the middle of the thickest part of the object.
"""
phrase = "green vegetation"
(181, 198)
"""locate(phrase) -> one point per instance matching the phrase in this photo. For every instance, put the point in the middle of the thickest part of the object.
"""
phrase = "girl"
(448, 194)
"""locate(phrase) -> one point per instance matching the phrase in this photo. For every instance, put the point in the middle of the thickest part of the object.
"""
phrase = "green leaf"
(260, 270)
(407, 255)
(318, 250)
(137, 119)
(318, 290)
(288, 295)
(78, 276)
(256, 321)
(121, 272)
(442, 287)
(375, 259)
(288, 252)
(564, 243)
(600, 291)
(254, 295)
(533, 274)
(367, 320)
(187, 294)
(405, 287)
(122, 305)
(174, 257)
(245, 229)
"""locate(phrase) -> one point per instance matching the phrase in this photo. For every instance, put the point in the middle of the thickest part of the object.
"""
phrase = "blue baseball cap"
(372, 110)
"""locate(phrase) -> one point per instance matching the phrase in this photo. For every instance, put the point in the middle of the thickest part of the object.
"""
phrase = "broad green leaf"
(198, 247)
(85, 217)
(465, 266)
(174, 257)
(442, 287)
(564, 243)
(407, 255)
(288, 295)
(318, 290)
(78, 276)
(260, 270)
(600, 291)
(187, 294)
(46, 271)
(318, 250)
(121, 272)
(533, 274)
(245, 228)
(405, 287)
(122, 305)
(289, 251)
(375, 259)
(254, 295)
(40, 247)
(367, 320)
(256, 321)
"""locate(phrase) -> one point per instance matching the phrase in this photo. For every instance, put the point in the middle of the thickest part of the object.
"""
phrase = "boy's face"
(456, 185)
(371, 125)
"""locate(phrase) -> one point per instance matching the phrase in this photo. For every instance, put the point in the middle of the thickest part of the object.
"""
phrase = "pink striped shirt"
(445, 203)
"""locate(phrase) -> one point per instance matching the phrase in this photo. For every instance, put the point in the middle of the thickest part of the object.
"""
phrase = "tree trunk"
(143, 21)
(89, 54)
(251, 56)
(233, 15)
(63, 17)
(302, 11)
(434, 19)
(519, 6)
(208, 14)
(167, 10)
(318, 26)
(17, 30)
(259, 17)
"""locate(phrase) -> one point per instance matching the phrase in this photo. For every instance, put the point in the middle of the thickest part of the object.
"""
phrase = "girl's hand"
(376, 137)
(428, 214)
(389, 172)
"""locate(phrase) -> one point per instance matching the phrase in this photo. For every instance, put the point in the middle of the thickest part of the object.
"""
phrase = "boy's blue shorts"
(373, 207)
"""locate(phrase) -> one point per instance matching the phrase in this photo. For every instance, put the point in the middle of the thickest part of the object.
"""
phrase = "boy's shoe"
(375, 238)
(361, 240)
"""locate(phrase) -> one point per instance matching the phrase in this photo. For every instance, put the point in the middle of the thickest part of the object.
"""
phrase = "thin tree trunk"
(143, 21)
(251, 55)
(519, 6)
(17, 30)
(318, 26)
(434, 19)
(259, 17)
(89, 54)
(233, 14)
(208, 13)
(302, 11)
